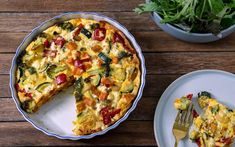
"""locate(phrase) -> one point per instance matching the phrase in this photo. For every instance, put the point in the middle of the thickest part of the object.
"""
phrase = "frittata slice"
(216, 127)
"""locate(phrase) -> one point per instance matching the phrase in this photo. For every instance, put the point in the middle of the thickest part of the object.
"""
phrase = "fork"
(182, 122)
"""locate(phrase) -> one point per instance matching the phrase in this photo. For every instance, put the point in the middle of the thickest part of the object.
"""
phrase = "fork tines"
(185, 117)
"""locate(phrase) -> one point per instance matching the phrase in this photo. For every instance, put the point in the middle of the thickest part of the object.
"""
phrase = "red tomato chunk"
(60, 79)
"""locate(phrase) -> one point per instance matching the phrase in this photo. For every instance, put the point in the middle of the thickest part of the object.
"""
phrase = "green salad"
(198, 16)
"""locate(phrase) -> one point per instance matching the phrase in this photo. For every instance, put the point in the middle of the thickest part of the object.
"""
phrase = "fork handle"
(176, 143)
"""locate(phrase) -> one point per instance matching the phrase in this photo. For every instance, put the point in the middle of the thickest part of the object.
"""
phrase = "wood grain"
(4, 86)
(68, 5)
(166, 59)
(183, 62)
(128, 133)
(25, 22)
(168, 63)
(144, 111)
(159, 41)
(149, 41)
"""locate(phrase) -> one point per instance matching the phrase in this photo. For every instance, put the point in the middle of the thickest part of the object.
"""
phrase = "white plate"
(55, 117)
(219, 83)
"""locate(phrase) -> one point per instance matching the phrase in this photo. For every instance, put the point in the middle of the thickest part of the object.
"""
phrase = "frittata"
(95, 57)
(183, 102)
(216, 126)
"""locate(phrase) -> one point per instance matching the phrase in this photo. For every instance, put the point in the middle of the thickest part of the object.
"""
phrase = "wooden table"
(166, 59)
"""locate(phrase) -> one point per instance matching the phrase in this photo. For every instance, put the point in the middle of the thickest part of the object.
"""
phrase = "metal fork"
(182, 122)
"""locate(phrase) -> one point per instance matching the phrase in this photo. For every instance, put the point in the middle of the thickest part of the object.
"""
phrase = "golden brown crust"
(44, 99)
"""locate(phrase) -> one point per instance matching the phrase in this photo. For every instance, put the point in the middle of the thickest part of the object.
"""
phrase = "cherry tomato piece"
(118, 38)
(60, 41)
(46, 43)
(99, 34)
(61, 78)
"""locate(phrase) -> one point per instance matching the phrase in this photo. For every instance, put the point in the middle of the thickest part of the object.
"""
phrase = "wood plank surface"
(25, 22)
(67, 5)
(168, 63)
(150, 41)
(131, 132)
(166, 58)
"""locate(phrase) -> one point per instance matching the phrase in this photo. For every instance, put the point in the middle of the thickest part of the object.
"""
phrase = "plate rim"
(116, 124)
(175, 82)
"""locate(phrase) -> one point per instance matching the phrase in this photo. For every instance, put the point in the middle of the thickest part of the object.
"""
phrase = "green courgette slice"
(44, 68)
(42, 86)
(53, 70)
(95, 80)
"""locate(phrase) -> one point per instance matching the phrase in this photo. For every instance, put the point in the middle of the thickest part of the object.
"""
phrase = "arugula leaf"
(150, 7)
(201, 16)
(216, 6)
(227, 22)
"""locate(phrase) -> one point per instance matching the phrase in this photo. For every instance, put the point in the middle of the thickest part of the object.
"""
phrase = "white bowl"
(187, 36)
(52, 119)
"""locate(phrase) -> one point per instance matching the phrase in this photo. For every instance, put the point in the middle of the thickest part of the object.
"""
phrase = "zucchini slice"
(105, 58)
(53, 70)
(42, 86)
(78, 86)
(127, 86)
(20, 73)
(95, 80)
(87, 33)
(96, 71)
(123, 54)
(66, 26)
(32, 70)
(44, 68)
(119, 74)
